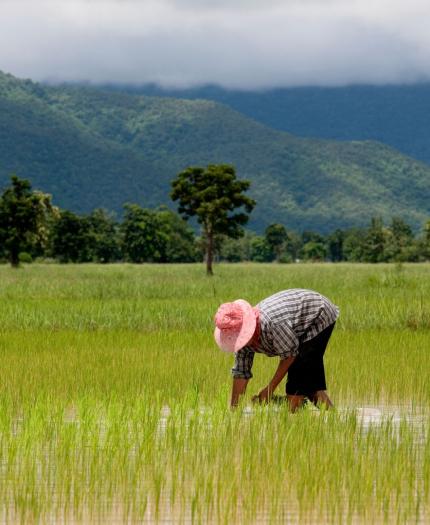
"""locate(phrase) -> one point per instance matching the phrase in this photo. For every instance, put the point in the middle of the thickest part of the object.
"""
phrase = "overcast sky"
(235, 43)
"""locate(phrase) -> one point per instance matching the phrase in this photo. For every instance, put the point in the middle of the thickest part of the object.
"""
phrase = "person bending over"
(294, 325)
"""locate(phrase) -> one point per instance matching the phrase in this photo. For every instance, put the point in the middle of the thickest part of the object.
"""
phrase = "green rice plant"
(113, 399)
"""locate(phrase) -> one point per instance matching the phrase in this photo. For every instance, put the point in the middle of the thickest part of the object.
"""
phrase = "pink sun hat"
(234, 325)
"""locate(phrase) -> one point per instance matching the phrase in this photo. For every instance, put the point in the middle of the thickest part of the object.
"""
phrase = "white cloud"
(236, 43)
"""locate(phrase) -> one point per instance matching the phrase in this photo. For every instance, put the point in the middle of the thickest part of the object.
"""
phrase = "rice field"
(114, 399)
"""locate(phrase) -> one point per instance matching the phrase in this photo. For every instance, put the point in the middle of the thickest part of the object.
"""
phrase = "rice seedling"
(113, 399)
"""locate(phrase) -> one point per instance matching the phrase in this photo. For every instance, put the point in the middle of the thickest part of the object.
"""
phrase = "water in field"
(350, 439)
(114, 400)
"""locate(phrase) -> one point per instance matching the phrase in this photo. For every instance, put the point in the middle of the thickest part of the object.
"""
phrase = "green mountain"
(60, 155)
(396, 115)
(94, 148)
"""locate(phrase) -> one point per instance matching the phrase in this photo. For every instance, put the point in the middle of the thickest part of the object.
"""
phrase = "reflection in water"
(396, 424)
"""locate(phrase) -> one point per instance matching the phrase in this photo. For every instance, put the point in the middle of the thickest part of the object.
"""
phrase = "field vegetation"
(114, 399)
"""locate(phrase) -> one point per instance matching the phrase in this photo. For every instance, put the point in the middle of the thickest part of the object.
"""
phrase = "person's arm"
(238, 389)
(266, 393)
(241, 373)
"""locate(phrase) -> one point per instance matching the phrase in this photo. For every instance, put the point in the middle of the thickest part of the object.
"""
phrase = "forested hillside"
(396, 115)
(92, 148)
(62, 156)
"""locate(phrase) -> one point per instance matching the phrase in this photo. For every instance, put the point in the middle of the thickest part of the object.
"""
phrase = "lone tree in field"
(24, 218)
(212, 194)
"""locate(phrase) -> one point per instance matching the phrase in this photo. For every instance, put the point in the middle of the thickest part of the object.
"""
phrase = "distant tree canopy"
(70, 238)
(213, 194)
(276, 238)
(84, 239)
(376, 243)
(24, 219)
(156, 236)
(31, 227)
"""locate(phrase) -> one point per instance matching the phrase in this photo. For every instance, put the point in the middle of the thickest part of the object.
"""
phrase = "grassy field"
(113, 399)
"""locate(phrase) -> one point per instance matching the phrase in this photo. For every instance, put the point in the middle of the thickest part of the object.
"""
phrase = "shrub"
(25, 257)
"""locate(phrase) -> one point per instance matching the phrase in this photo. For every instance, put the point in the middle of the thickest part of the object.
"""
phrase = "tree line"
(31, 227)
(378, 242)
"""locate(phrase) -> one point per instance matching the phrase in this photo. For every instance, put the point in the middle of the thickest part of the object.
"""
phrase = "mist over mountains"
(93, 147)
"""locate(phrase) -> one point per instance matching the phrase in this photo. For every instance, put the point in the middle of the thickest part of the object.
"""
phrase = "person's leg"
(295, 401)
(293, 389)
(306, 376)
(320, 398)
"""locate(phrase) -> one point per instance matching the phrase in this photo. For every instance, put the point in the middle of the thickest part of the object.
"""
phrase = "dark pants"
(306, 375)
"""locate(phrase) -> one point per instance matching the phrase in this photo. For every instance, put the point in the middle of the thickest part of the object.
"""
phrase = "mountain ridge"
(394, 114)
(91, 148)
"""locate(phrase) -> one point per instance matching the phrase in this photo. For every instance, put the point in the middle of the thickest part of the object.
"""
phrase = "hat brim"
(234, 340)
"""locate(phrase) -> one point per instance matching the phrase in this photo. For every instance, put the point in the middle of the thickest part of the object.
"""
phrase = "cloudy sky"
(235, 43)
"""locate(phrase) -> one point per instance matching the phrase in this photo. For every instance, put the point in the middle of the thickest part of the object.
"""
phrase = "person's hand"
(263, 396)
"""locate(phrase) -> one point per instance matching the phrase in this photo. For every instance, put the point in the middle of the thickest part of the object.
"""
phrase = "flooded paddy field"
(114, 400)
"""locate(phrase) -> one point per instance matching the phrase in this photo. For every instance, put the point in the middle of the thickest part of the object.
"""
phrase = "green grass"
(113, 399)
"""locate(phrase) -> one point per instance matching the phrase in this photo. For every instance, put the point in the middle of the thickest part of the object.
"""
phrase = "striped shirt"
(287, 319)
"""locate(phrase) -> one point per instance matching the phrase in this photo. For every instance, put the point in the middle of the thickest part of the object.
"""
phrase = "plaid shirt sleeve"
(243, 360)
(285, 341)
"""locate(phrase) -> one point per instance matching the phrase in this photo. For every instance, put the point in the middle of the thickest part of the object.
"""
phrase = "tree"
(313, 247)
(180, 243)
(212, 194)
(71, 238)
(143, 237)
(353, 244)
(24, 218)
(276, 238)
(335, 245)
(314, 251)
(374, 243)
(103, 231)
(237, 250)
(426, 240)
(310, 236)
(399, 241)
(427, 232)
(294, 246)
(260, 250)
